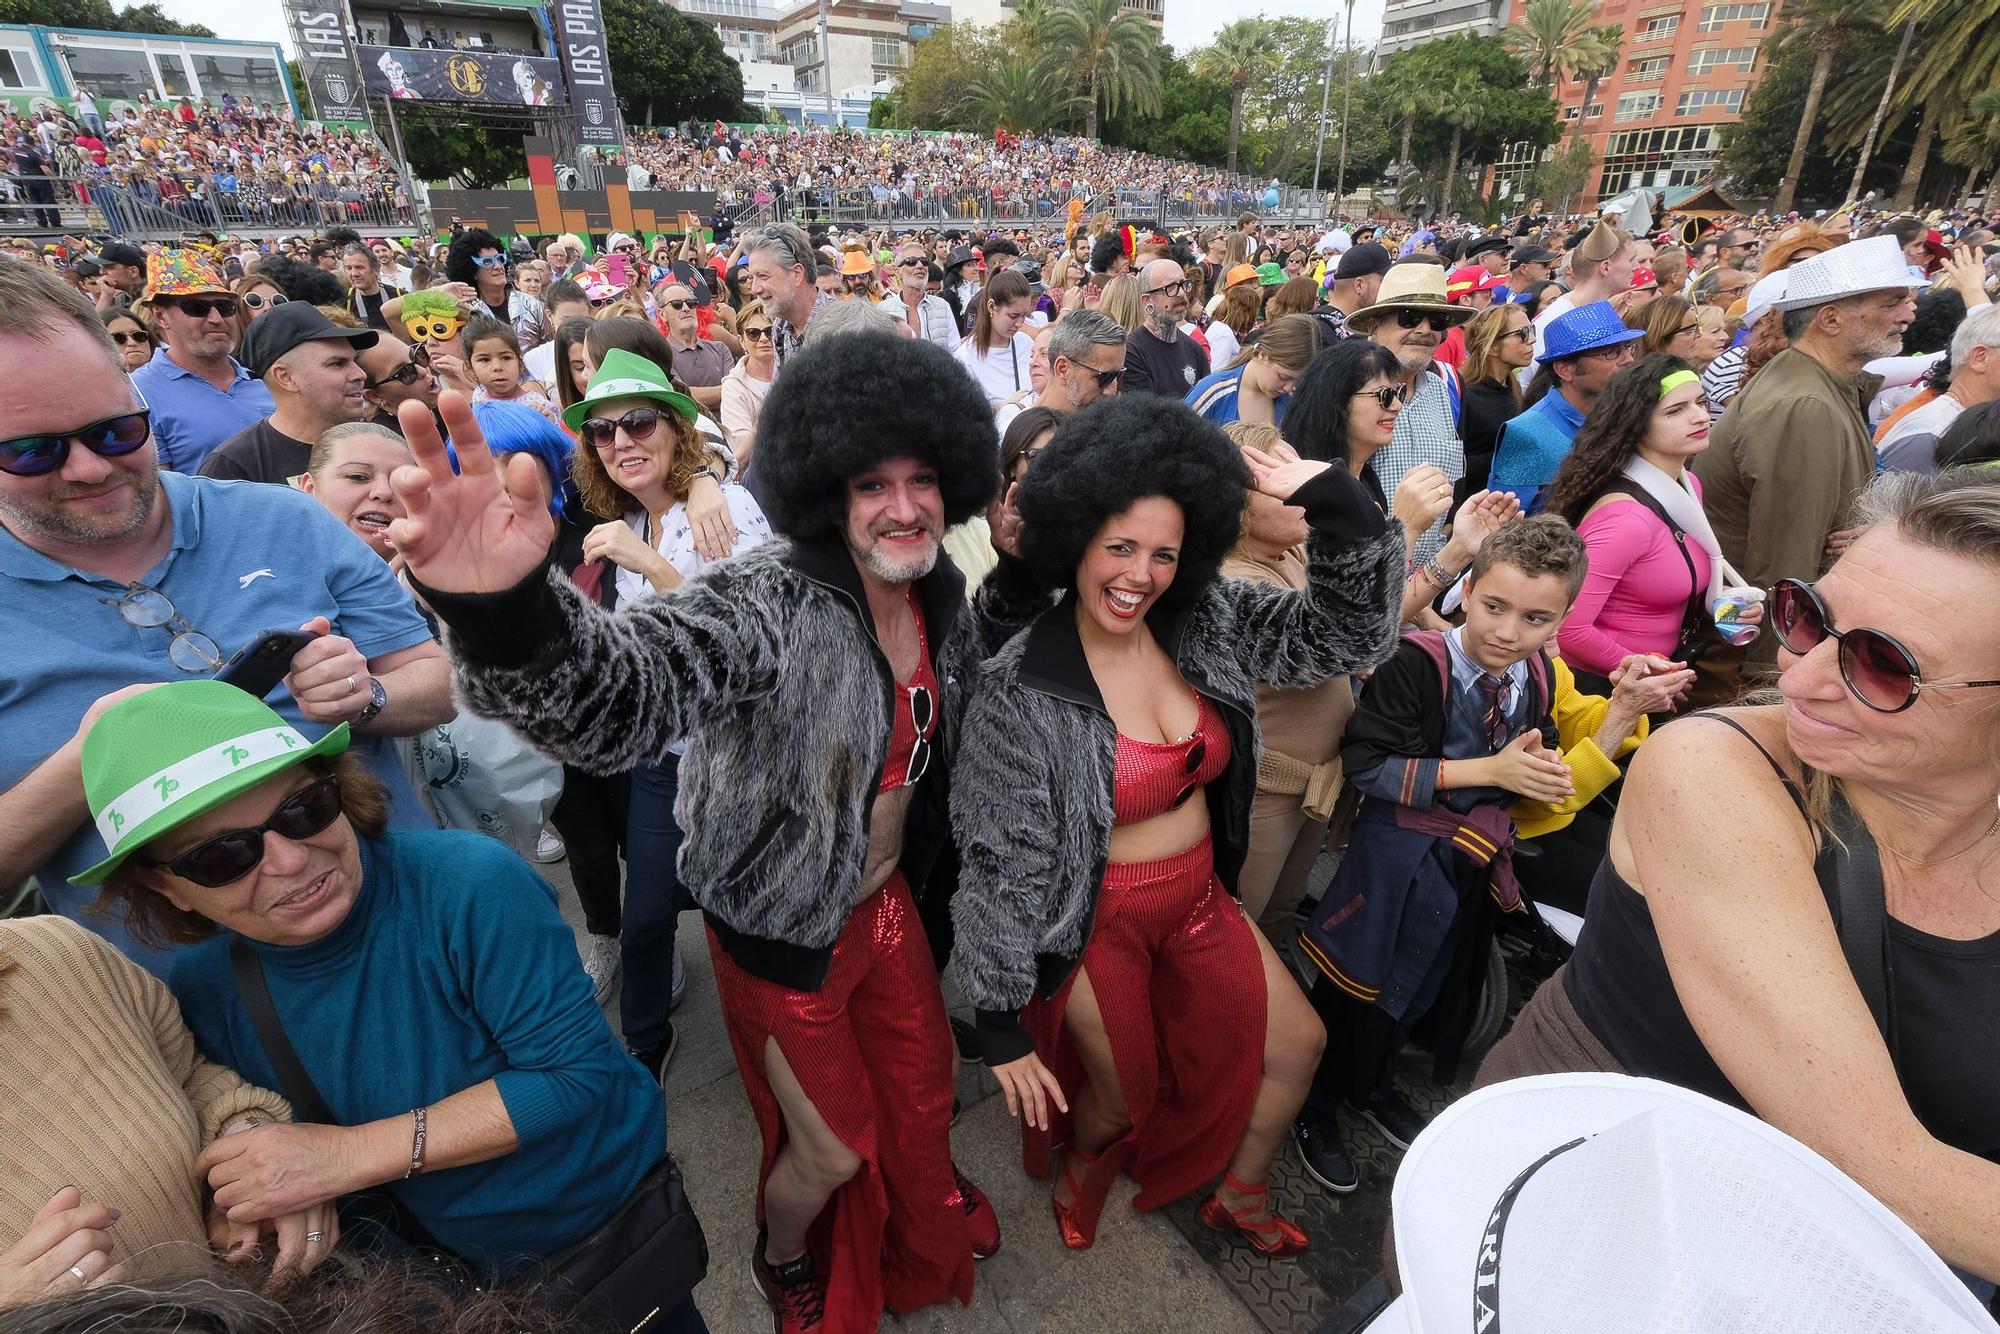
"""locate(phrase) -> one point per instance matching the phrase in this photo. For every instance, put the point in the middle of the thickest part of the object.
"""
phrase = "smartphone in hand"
(259, 666)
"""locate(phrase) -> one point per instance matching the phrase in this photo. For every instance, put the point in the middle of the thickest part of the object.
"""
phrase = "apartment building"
(1408, 23)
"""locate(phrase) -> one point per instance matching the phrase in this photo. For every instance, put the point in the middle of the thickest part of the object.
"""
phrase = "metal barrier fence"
(54, 205)
(1165, 209)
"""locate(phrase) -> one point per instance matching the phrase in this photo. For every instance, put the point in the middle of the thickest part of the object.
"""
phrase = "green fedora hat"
(625, 374)
(158, 760)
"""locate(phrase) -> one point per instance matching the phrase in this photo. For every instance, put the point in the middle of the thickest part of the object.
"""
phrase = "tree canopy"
(148, 18)
(668, 66)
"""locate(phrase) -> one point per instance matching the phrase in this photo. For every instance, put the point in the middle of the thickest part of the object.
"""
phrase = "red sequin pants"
(873, 1052)
(1180, 983)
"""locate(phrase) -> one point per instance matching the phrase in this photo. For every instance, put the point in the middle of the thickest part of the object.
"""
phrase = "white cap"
(1335, 242)
(1765, 296)
(1581, 1204)
(1870, 265)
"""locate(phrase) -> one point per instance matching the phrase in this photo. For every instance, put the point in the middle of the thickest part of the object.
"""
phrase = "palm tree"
(1017, 94)
(1827, 24)
(1599, 57)
(1553, 37)
(1964, 37)
(1410, 93)
(1978, 144)
(1240, 55)
(1115, 50)
(1882, 108)
(1464, 106)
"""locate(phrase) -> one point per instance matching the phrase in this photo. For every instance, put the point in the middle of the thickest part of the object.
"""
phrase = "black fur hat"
(1120, 450)
(843, 405)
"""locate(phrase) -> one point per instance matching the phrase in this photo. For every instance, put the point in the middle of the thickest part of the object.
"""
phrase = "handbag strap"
(1864, 918)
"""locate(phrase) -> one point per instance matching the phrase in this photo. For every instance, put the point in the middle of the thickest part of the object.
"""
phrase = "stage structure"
(545, 210)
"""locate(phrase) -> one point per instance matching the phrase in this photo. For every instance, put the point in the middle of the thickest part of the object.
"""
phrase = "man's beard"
(47, 520)
(895, 572)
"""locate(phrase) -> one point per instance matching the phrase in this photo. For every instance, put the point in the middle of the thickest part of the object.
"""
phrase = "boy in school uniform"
(1453, 739)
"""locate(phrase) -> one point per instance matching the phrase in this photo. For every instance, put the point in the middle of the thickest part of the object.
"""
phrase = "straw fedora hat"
(1416, 286)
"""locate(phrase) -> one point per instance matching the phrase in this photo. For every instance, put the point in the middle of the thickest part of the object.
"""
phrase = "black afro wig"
(458, 265)
(1120, 450)
(300, 281)
(847, 403)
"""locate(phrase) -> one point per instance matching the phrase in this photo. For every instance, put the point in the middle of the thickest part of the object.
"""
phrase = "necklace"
(1940, 861)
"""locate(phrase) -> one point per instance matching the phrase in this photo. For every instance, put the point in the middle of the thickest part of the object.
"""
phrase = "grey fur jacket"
(1031, 794)
(768, 665)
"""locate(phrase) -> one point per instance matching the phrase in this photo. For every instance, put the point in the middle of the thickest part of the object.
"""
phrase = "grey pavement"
(1142, 1275)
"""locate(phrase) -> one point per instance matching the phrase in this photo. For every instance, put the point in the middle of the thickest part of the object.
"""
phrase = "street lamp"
(1346, 102)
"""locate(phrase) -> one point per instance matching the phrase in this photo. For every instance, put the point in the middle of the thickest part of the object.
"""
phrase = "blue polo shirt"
(1530, 449)
(245, 557)
(190, 416)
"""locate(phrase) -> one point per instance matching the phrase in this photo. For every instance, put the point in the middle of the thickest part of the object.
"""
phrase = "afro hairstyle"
(828, 419)
(1121, 450)
(300, 281)
(458, 265)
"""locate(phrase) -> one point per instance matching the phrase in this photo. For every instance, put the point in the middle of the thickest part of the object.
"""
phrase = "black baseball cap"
(1531, 254)
(123, 252)
(277, 332)
(1362, 259)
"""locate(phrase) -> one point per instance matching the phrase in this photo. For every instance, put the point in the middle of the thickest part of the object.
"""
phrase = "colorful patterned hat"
(182, 273)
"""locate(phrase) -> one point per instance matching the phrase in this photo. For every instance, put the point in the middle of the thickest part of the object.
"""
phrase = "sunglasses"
(913, 262)
(1687, 329)
(1410, 319)
(146, 608)
(638, 425)
(923, 713)
(628, 250)
(136, 336)
(1526, 333)
(1878, 670)
(758, 332)
(1389, 395)
(113, 437)
(1197, 752)
(677, 304)
(490, 261)
(405, 374)
(200, 307)
(1105, 379)
(235, 853)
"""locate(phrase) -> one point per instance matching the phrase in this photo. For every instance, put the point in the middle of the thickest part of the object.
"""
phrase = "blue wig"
(512, 428)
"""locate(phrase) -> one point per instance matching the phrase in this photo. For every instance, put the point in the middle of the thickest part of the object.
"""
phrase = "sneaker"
(1399, 1122)
(657, 1059)
(680, 982)
(1324, 1154)
(600, 963)
(982, 1225)
(549, 847)
(795, 1290)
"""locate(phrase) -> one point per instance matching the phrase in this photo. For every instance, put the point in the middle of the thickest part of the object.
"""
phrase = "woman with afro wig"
(478, 259)
(1101, 803)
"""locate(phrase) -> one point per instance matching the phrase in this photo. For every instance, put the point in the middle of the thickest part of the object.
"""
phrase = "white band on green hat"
(184, 778)
(627, 388)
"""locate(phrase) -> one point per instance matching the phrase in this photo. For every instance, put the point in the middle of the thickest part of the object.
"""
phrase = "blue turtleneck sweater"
(455, 967)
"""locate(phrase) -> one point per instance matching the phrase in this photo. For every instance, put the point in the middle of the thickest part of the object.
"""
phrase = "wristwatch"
(377, 698)
(712, 473)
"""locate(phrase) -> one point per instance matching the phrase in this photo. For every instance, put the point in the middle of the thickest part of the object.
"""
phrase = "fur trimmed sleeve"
(607, 690)
(1345, 619)
(1007, 602)
(1003, 820)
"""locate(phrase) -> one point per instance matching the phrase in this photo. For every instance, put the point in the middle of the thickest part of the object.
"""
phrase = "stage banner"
(319, 31)
(579, 26)
(423, 74)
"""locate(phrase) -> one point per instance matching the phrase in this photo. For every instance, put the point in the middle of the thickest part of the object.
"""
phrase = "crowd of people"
(213, 162)
(1019, 617)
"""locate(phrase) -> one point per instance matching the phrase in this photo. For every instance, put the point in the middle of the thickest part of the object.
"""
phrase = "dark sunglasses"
(759, 332)
(1389, 395)
(490, 261)
(638, 424)
(235, 853)
(628, 250)
(405, 374)
(1105, 379)
(257, 302)
(200, 307)
(1878, 670)
(112, 437)
(1526, 333)
(1410, 319)
(913, 262)
(923, 713)
(136, 336)
(675, 304)
(1197, 752)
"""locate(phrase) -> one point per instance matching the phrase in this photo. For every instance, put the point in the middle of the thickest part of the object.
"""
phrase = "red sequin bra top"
(914, 718)
(1154, 777)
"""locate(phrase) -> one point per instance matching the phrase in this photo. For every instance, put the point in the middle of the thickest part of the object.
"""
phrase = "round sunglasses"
(1389, 395)
(257, 301)
(638, 424)
(235, 853)
(1878, 669)
(112, 437)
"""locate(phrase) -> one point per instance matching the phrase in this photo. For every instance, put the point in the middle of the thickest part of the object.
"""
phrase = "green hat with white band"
(160, 759)
(625, 374)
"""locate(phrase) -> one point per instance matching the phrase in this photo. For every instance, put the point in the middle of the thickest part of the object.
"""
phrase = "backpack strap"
(1432, 644)
(1694, 618)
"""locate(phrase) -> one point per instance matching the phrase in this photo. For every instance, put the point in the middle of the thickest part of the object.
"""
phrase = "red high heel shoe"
(1278, 1238)
(1077, 1220)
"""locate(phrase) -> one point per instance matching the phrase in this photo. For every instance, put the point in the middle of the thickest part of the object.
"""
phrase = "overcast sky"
(1190, 23)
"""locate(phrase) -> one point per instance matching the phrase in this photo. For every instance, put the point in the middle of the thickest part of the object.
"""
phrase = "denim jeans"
(654, 900)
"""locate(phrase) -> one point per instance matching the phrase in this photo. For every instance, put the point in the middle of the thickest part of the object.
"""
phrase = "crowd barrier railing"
(97, 205)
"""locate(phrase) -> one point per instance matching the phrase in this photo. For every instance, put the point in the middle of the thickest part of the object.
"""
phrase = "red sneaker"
(795, 1290)
(981, 1223)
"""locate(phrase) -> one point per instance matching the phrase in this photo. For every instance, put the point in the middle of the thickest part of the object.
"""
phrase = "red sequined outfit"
(872, 1050)
(1180, 984)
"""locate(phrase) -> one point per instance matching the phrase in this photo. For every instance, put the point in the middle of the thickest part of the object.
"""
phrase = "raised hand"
(1277, 476)
(480, 530)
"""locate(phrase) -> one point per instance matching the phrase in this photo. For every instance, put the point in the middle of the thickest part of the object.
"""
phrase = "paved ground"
(1162, 1271)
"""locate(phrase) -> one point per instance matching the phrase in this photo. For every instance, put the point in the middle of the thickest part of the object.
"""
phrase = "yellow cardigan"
(1578, 716)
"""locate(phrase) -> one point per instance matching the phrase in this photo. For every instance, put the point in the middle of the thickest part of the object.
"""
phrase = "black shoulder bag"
(641, 1264)
(1696, 636)
(1863, 925)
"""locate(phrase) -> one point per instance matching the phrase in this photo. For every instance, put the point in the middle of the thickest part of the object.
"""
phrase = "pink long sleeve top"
(1637, 591)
